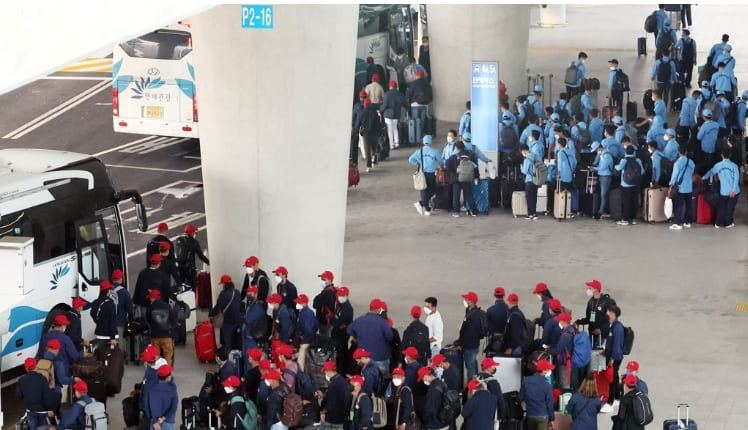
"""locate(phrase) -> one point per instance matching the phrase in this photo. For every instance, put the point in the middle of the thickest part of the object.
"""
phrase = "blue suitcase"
(480, 194)
(679, 422)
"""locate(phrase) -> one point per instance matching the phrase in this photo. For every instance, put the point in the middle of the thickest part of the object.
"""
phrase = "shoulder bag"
(217, 320)
(419, 178)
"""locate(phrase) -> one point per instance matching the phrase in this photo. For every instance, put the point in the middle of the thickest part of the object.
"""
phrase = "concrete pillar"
(275, 110)
(552, 15)
(462, 33)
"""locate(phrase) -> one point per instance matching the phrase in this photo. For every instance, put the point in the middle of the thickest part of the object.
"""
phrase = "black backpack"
(583, 138)
(632, 172)
(262, 328)
(562, 112)
(181, 247)
(642, 409)
(483, 323)
(663, 72)
(665, 42)
(621, 82)
(451, 406)
(469, 122)
(628, 340)
(530, 116)
(650, 23)
(509, 139)
(304, 386)
(419, 340)
(152, 248)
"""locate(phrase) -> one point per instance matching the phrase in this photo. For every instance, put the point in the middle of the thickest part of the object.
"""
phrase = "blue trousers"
(471, 362)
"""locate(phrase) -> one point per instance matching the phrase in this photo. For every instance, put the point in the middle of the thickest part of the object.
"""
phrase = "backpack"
(509, 138)
(420, 341)
(528, 333)
(663, 73)
(96, 417)
(666, 171)
(410, 73)
(621, 82)
(561, 111)
(305, 387)
(465, 170)
(570, 77)
(293, 407)
(424, 96)
(628, 340)
(731, 116)
(650, 23)
(46, 368)
(582, 347)
(539, 173)
(262, 329)
(182, 310)
(576, 104)
(642, 409)
(530, 115)
(378, 412)
(483, 322)
(180, 249)
(583, 138)
(632, 173)
(249, 420)
(665, 41)
(451, 406)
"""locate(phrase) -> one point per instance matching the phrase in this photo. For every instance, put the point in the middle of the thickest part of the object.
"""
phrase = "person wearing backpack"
(488, 377)
(471, 333)
(445, 371)
(627, 418)
(419, 96)
(274, 406)
(238, 413)
(361, 405)
(168, 264)
(665, 39)
(538, 397)
(561, 351)
(535, 102)
(681, 189)
(104, 315)
(228, 304)
(75, 417)
(728, 174)
(461, 168)
(154, 243)
(531, 190)
(55, 371)
(434, 399)
(161, 319)
(515, 339)
(630, 181)
(416, 335)
(186, 249)
(707, 136)
(614, 352)
(617, 85)
(40, 400)
(577, 71)
(584, 406)
(686, 48)
(479, 411)
(150, 278)
(665, 75)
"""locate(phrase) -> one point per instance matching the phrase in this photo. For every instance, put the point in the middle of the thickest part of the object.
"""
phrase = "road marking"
(156, 190)
(117, 148)
(192, 157)
(741, 307)
(79, 78)
(154, 169)
(57, 111)
(149, 146)
(175, 220)
(173, 238)
(90, 65)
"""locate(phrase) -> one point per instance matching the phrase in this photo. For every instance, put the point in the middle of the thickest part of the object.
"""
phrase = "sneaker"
(368, 169)
(605, 216)
(633, 222)
(731, 225)
(528, 217)
(606, 409)
(676, 227)
(716, 226)
(455, 215)
(622, 223)
(534, 217)
(419, 208)
(397, 145)
(471, 213)
(427, 213)
(687, 224)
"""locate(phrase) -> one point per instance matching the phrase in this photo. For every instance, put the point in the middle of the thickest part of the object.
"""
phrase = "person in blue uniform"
(488, 376)
(75, 417)
(729, 189)
(537, 394)
(337, 398)
(584, 406)
(479, 411)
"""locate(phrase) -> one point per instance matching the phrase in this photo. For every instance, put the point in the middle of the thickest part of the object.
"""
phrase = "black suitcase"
(588, 203)
(131, 411)
(114, 368)
(631, 110)
(678, 93)
(615, 204)
(641, 46)
(135, 346)
(442, 199)
(180, 333)
(454, 356)
(402, 132)
(190, 413)
(494, 193)
(97, 389)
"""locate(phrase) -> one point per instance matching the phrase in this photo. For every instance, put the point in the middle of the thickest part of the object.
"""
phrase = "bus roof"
(29, 160)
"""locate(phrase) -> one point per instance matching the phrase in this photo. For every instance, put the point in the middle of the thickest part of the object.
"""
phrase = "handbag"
(217, 320)
(668, 207)
(442, 176)
(419, 178)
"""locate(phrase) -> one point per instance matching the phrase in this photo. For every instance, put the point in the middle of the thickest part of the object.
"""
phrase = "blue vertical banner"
(484, 116)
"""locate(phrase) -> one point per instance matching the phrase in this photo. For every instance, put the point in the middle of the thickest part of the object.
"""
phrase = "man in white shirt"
(434, 323)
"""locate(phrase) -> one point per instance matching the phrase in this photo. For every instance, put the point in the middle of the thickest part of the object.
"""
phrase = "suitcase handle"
(683, 424)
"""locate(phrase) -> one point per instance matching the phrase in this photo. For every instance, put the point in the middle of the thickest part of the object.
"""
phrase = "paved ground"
(677, 289)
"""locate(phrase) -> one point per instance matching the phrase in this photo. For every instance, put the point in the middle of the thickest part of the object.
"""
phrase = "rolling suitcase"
(541, 206)
(138, 337)
(205, 342)
(131, 411)
(615, 204)
(631, 110)
(480, 195)
(114, 368)
(589, 203)
(519, 204)
(562, 422)
(641, 46)
(678, 93)
(190, 413)
(203, 294)
(679, 423)
(354, 177)
(561, 204)
(603, 386)
(402, 132)
(704, 212)
(654, 205)
(235, 356)
(412, 131)
(97, 388)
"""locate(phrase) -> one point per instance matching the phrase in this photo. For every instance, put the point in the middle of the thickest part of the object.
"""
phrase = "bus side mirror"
(139, 207)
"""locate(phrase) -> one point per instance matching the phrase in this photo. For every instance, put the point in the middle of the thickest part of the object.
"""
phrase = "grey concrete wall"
(274, 122)
(462, 33)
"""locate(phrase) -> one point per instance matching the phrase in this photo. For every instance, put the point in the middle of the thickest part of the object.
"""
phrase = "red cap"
(285, 350)
(437, 359)
(329, 365)
(384, 305)
(105, 285)
(375, 77)
(61, 320)
(265, 364)
(423, 371)
(499, 291)
(487, 363)
(343, 292)
(117, 274)
(164, 246)
(148, 355)
(398, 371)
(275, 298)
(564, 316)
(540, 287)
(156, 259)
(78, 302)
(376, 304)
(162, 226)
(152, 350)
(362, 94)
(232, 381)
(369, 59)
(415, 311)
(420, 73)
(554, 305)
(326, 275)
(393, 84)
(270, 375)
(512, 298)
(251, 261)
(302, 300)
(80, 387)
(281, 271)
(360, 352)
(632, 366)
(254, 353)
(367, 102)
(630, 380)
(29, 363)
(165, 370)
(54, 344)
(253, 289)
(356, 379)
(544, 365)
(594, 284)
(154, 294)
(190, 229)
(470, 297)
(411, 352)
(473, 384)
(225, 279)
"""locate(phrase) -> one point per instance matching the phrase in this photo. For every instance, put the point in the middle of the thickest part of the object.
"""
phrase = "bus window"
(94, 256)
(159, 45)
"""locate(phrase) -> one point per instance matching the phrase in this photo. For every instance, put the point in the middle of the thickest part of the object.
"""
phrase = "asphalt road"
(62, 113)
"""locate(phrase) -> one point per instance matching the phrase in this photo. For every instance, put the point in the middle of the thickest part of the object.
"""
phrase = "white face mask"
(267, 382)
(426, 383)
(270, 311)
(465, 303)
(327, 377)
(426, 310)
(228, 390)
(322, 283)
(397, 382)
(342, 299)
(450, 139)
(278, 279)
(539, 297)
(250, 270)
(299, 307)
(589, 293)
(560, 326)
(612, 67)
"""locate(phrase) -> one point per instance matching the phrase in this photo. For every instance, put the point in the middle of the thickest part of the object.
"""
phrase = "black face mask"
(351, 388)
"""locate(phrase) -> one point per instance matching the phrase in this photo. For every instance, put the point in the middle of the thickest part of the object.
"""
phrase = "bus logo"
(58, 274)
(374, 45)
(154, 71)
(145, 84)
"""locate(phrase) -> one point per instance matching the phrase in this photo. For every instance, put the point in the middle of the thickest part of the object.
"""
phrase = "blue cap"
(427, 138)
(594, 146)
(538, 88)
(745, 94)
(555, 117)
(670, 132)
(706, 113)
(705, 83)
(720, 93)
(617, 119)
(467, 136)
(506, 115)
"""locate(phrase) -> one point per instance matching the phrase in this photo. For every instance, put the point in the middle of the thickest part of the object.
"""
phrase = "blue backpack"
(580, 355)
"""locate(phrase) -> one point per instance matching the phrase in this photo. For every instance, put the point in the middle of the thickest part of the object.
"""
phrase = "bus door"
(93, 257)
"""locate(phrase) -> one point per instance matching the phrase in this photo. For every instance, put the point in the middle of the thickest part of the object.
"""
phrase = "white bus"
(60, 235)
(153, 84)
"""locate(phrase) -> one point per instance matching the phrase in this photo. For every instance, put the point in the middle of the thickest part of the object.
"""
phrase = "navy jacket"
(67, 353)
(104, 314)
(162, 401)
(75, 416)
(285, 324)
(150, 378)
(233, 412)
(308, 325)
(598, 307)
(34, 389)
(545, 313)
(150, 279)
(252, 381)
(411, 374)
(494, 387)
(274, 407)
(233, 314)
(169, 267)
(124, 305)
(515, 328)
(324, 304)
(289, 293)
(415, 327)
(373, 334)
(337, 400)
(260, 280)
(551, 332)
(583, 411)
(496, 316)
(451, 378)
(255, 311)
(362, 412)
(564, 346)
(404, 394)
(341, 319)
(62, 372)
(614, 343)
(227, 369)
(479, 411)
(470, 335)
(371, 376)
(538, 397)
(434, 404)
(74, 330)
(392, 104)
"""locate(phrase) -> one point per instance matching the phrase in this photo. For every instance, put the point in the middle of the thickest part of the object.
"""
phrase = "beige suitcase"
(519, 204)
(654, 205)
(562, 205)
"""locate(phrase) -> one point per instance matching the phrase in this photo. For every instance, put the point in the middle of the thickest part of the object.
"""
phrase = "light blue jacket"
(673, 73)
(566, 162)
(527, 164)
(614, 147)
(716, 51)
(660, 110)
(464, 121)
(720, 111)
(688, 112)
(448, 151)
(596, 129)
(525, 137)
(622, 165)
(581, 71)
(431, 159)
(587, 106)
(520, 114)
(612, 78)
(729, 61)
(671, 149)
(729, 177)
(620, 132)
(575, 131)
(656, 166)
(657, 134)
(661, 17)
(473, 148)
(537, 105)
(538, 149)
(604, 163)
(708, 136)
(741, 114)
(683, 171)
(723, 81)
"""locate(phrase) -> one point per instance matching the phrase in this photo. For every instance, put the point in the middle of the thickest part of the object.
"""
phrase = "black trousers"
(630, 202)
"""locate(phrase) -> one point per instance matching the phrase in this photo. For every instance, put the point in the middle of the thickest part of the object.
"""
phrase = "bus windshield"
(163, 44)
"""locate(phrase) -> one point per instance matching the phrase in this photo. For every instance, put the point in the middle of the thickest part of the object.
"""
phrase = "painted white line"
(117, 148)
(173, 221)
(199, 166)
(154, 145)
(142, 251)
(152, 169)
(192, 157)
(56, 111)
(156, 190)
(79, 78)
(103, 104)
